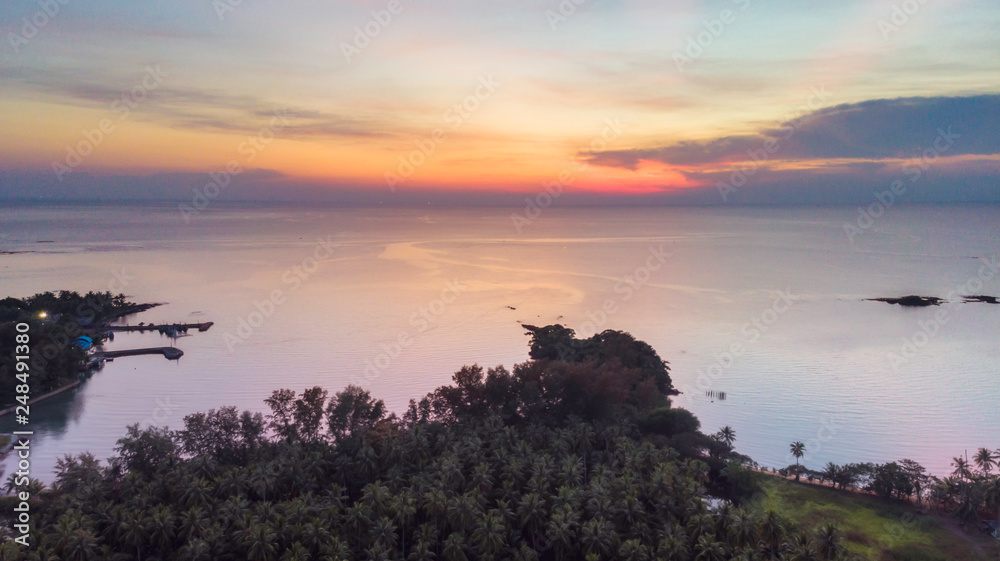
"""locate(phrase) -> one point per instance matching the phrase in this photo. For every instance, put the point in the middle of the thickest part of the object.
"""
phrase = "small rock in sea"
(981, 299)
(911, 301)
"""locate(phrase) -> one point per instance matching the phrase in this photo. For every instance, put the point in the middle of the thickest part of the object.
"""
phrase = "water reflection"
(823, 359)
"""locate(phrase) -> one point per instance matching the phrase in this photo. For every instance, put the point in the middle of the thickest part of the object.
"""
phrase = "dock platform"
(171, 353)
(202, 327)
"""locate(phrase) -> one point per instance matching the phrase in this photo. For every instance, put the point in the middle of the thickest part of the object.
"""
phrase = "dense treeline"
(971, 493)
(53, 361)
(565, 457)
(65, 305)
(497, 465)
(465, 491)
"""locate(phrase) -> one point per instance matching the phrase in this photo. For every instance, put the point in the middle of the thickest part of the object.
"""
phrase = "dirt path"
(981, 548)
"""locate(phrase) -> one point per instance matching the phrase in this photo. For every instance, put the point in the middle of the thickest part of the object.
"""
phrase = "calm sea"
(763, 305)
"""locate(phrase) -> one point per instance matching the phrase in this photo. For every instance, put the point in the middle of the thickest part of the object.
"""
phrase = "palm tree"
(258, 542)
(132, 532)
(673, 548)
(709, 549)
(67, 525)
(490, 535)
(504, 512)
(357, 519)
(435, 503)
(82, 546)
(598, 536)
(462, 511)
(633, 550)
(338, 550)
(315, 536)
(830, 473)
(728, 435)
(111, 523)
(985, 460)
(454, 548)
(772, 532)
(196, 550)
(378, 497)
(961, 468)
(404, 509)
(828, 538)
(192, 524)
(384, 533)
(562, 531)
(377, 553)
(804, 552)
(743, 529)
(531, 512)
(798, 449)
(970, 501)
(700, 524)
(421, 551)
(161, 527)
(297, 552)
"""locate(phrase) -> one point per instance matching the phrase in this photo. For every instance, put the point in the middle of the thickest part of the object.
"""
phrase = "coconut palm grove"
(574, 454)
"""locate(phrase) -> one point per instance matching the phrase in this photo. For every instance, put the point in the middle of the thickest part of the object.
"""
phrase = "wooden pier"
(144, 328)
(171, 353)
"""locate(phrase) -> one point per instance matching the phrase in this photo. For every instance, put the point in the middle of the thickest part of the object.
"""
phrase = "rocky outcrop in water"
(911, 301)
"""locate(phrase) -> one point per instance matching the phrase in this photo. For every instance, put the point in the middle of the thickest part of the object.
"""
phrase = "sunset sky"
(746, 101)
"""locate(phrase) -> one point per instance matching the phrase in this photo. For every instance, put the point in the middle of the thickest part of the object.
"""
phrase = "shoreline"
(43, 397)
(131, 310)
(170, 353)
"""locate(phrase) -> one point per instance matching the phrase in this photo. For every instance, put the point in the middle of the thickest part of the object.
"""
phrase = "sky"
(413, 101)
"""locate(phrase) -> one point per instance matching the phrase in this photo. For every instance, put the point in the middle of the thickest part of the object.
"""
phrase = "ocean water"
(765, 305)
